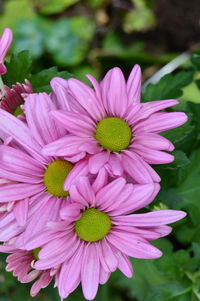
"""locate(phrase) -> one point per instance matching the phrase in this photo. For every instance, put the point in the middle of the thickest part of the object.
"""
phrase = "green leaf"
(53, 7)
(18, 68)
(196, 59)
(68, 40)
(170, 86)
(29, 35)
(14, 10)
(41, 80)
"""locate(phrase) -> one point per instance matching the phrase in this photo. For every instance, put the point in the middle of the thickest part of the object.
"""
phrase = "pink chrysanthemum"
(21, 263)
(31, 182)
(14, 97)
(97, 234)
(112, 125)
(5, 42)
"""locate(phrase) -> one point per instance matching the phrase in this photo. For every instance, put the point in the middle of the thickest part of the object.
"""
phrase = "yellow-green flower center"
(18, 111)
(35, 253)
(113, 133)
(55, 176)
(93, 225)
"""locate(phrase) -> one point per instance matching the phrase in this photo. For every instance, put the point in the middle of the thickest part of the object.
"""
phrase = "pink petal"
(152, 156)
(153, 141)
(97, 161)
(76, 123)
(134, 85)
(71, 212)
(135, 167)
(17, 129)
(132, 246)
(139, 196)
(85, 189)
(65, 146)
(42, 125)
(90, 271)
(70, 273)
(21, 211)
(115, 92)
(149, 108)
(18, 191)
(42, 282)
(108, 193)
(115, 164)
(101, 180)
(86, 97)
(104, 276)
(160, 122)
(107, 257)
(151, 219)
(80, 169)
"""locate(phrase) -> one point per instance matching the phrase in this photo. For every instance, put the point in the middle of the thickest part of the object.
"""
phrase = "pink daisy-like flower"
(14, 97)
(109, 121)
(32, 183)
(5, 42)
(97, 234)
(21, 263)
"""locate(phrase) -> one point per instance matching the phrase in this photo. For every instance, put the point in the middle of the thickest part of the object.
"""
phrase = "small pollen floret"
(113, 133)
(93, 225)
(55, 176)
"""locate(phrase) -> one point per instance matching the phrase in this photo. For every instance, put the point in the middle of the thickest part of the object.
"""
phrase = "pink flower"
(14, 97)
(32, 183)
(5, 42)
(109, 123)
(97, 234)
(21, 263)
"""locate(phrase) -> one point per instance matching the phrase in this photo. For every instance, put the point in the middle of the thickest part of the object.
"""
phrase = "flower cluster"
(75, 166)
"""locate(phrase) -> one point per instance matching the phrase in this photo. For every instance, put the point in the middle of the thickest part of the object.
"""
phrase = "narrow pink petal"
(124, 264)
(17, 129)
(71, 212)
(151, 219)
(108, 193)
(115, 93)
(59, 87)
(132, 246)
(76, 123)
(21, 211)
(132, 111)
(24, 164)
(50, 208)
(18, 191)
(107, 258)
(5, 42)
(80, 169)
(90, 271)
(70, 272)
(152, 156)
(153, 141)
(69, 247)
(86, 97)
(96, 87)
(101, 180)
(115, 164)
(97, 161)
(160, 122)
(135, 167)
(42, 282)
(104, 276)
(42, 125)
(134, 85)
(149, 108)
(139, 196)
(85, 189)
(65, 146)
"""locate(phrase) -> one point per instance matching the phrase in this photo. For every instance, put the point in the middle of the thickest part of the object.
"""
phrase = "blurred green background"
(92, 36)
